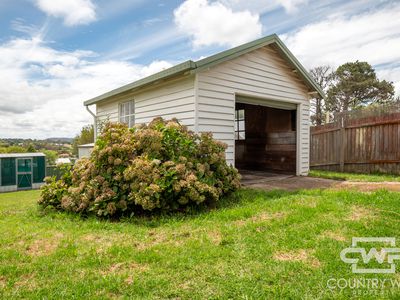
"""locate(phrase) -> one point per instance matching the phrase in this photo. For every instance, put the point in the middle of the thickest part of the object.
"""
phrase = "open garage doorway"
(265, 137)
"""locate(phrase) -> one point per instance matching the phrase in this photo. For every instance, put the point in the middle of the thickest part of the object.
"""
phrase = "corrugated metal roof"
(30, 154)
(213, 60)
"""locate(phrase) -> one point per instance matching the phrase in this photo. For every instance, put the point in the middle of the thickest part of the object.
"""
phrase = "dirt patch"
(42, 247)
(358, 213)
(369, 186)
(301, 255)
(334, 235)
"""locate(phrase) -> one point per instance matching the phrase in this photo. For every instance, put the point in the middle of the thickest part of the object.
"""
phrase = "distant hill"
(60, 140)
(57, 140)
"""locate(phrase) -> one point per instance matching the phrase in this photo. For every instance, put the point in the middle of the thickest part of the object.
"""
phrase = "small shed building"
(85, 150)
(254, 97)
(20, 171)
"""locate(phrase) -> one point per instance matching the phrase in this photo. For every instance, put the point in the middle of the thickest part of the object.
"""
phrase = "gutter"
(94, 124)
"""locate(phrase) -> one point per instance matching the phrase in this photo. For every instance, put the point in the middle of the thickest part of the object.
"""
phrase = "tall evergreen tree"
(356, 85)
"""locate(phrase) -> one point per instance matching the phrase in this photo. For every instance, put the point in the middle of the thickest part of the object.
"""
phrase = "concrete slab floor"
(273, 181)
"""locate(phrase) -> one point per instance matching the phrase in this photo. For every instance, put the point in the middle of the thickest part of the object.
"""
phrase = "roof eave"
(175, 70)
(212, 60)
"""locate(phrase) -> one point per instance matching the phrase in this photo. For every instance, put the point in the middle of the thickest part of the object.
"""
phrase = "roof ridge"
(196, 66)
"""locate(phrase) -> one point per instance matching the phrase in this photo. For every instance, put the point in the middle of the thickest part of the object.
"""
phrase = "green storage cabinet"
(8, 174)
(39, 169)
(20, 171)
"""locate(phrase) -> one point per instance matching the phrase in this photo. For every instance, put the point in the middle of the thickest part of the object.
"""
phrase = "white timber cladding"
(205, 101)
(261, 74)
(169, 99)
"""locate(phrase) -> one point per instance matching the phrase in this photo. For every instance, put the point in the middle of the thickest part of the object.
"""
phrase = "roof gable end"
(214, 60)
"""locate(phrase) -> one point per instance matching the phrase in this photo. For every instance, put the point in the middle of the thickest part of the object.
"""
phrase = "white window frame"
(129, 118)
(238, 130)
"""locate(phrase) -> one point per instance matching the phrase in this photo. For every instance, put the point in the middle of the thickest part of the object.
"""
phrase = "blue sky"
(54, 54)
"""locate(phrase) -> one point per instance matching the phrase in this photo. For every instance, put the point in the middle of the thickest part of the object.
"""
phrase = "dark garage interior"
(265, 138)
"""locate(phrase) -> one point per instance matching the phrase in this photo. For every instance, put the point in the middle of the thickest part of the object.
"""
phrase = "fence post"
(342, 137)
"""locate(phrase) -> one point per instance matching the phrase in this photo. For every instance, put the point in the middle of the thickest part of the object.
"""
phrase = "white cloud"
(42, 89)
(212, 23)
(373, 37)
(256, 6)
(74, 12)
(292, 6)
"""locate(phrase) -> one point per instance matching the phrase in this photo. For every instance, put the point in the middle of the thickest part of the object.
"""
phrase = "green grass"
(354, 176)
(254, 245)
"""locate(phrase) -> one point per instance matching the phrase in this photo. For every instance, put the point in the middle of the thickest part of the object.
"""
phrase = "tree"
(31, 148)
(15, 149)
(85, 137)
(51, 156)
(356, 85)
(323, 76)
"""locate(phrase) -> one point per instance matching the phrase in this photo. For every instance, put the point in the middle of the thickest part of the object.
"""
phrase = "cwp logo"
(386, 255)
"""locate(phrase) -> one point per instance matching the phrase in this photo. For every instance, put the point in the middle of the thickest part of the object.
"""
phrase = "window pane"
(121, 110)
(241, 125)
(131, 121)
(242, 135)
(24, 165)
(132, 107)
(241, 114)
(236, 135)
(236, 126)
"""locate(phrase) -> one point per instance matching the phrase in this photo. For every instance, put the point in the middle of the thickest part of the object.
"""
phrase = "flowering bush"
(160, 166)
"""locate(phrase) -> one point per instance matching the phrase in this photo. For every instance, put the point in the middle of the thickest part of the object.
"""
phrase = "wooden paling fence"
(362, 144)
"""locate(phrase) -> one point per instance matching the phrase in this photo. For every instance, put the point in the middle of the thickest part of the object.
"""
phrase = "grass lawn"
(254, 245)
(354, 176)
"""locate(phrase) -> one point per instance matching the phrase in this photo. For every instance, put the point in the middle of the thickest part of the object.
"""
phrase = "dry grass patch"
(358, 213)
(102, 242)
(334, 235)
(123, 268)
(215, 236)
(26, 281)
(156, 237)
(301, 255)
(262, 217)
(3, 282)
(306, 202)
(45, 246)
(369, 186)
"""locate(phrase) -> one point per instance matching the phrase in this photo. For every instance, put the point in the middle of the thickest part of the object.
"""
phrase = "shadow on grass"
(242, 197)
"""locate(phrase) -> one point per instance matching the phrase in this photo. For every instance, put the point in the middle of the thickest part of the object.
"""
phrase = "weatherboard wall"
(260, 74)
(170, 99)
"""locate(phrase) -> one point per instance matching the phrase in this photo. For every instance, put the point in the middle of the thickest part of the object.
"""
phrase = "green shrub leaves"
(160, 166)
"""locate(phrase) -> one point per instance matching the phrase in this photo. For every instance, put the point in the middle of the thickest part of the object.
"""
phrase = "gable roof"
(195, 66)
